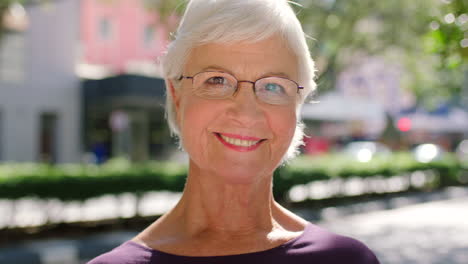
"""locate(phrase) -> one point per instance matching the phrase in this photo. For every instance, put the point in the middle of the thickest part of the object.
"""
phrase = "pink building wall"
(128, 20)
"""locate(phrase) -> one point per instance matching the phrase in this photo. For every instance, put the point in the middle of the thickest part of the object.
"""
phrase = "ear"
(174, 94)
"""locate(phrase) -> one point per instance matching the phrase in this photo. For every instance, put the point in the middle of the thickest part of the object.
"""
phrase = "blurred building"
(39, 90)
(124, 116)
(366, 91)
(369, 99)
(122, 36)
(123, 96)
(374, 79)
(82, 82)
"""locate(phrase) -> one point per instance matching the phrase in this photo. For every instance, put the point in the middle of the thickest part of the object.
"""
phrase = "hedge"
(80, 182)
(305, 169)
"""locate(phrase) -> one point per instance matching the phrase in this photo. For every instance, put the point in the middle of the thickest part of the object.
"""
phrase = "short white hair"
(228, 21)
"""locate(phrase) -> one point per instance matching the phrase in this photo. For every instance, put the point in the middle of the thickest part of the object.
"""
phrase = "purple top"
(314, 245)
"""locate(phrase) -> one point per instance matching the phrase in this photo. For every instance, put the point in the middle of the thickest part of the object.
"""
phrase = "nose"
(245, 109)
(247, 85)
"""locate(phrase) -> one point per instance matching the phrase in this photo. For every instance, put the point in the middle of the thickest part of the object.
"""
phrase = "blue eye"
(273, 87)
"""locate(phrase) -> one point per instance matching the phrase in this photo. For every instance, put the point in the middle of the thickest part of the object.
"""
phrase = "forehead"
(245, 59)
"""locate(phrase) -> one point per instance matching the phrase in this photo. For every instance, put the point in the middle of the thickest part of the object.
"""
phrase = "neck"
(209, 203)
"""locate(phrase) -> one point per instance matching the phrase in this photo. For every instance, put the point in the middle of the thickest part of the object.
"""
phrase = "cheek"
(283, 124)
(193, 119)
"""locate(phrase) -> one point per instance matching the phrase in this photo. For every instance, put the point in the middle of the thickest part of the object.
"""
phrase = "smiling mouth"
(239, 143)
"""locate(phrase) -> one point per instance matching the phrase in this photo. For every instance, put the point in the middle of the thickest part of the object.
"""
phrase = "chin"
(235, 168)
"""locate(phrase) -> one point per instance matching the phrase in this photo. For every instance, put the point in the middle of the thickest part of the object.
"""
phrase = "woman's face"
(241, 138)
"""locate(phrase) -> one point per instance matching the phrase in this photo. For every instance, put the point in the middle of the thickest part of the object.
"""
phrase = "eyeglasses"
(221, 85)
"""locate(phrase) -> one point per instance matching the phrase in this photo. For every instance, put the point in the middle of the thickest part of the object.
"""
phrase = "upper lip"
(242, 137)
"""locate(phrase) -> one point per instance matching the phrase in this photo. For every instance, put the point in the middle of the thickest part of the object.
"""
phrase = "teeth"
(239, 142)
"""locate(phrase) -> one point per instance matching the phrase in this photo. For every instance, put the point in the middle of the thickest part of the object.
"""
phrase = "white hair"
(227, 21)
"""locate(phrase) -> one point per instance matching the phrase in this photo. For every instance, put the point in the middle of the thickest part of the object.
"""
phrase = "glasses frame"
(241, 81)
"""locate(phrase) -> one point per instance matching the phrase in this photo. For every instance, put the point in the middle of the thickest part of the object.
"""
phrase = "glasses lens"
(276, 90)
(214, 85)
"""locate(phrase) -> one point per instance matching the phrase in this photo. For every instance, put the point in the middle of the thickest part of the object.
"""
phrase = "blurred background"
(87, 160)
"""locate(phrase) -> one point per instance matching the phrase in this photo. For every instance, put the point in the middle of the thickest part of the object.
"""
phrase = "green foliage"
(304, 169)
(449, 27)
(6, 3)
(398, 31)
(345, 30)
(166, 7)
(444, 40)
(79, 182)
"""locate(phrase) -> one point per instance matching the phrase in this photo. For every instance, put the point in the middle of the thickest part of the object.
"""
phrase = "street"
(427, 228)
(434, 232)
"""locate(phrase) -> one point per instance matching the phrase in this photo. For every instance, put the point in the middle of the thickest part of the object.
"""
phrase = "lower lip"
(239, 148)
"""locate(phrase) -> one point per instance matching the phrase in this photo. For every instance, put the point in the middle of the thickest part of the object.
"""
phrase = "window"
(12, 56)
(48, 138)
(149, 35)
(105, 29)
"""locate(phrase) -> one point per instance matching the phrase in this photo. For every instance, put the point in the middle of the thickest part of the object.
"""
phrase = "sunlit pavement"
(434, 232)
(30, 211)
(430, 228)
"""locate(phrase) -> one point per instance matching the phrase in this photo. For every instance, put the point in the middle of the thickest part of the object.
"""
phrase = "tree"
(448, 37)
(342, 28)
(166, 8)
(398, 30)
(448, 42)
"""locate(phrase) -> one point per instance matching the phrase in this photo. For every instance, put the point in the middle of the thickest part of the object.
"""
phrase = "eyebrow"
(268, 74)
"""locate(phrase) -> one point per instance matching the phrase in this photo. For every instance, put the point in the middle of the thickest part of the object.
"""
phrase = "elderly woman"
(237, 74)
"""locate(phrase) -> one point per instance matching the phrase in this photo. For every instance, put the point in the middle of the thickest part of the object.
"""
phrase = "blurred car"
(364, 151)
(428, 152)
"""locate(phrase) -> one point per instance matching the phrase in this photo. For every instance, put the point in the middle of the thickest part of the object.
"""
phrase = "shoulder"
(127, 253)
(352, 250)
(341, 249)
